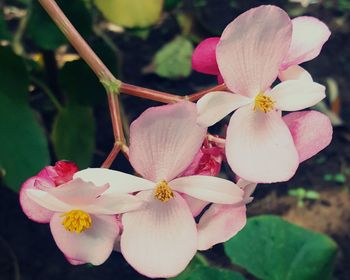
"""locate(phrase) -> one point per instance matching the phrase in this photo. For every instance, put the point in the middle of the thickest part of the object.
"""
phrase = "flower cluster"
(176, 206)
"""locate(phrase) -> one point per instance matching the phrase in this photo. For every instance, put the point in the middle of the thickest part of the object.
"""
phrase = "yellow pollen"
(263, 102)
(163, 191)
(76, 221)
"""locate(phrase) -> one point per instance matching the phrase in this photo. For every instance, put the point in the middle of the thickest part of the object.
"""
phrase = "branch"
(108, 80)
(151, 94)
(195, 96)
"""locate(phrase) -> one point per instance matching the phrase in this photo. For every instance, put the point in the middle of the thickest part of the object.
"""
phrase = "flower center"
(163, 191)
(263, 103)
(76, 221)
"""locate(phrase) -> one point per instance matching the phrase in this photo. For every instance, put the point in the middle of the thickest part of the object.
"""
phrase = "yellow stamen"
(76, 221)
(264, 103)
(163, 191)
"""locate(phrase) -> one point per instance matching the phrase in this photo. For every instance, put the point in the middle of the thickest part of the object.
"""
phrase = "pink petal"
(160, 240)
(33, 210)
(295, 73)
(296, 95)
(259, 146)
(311, 130)
(119, 182)
(214, 106)
(78, 192)
(48, 201)
(204, 58)
(164, 140)
(309, 35)
(61, 173)
(219, 224)
(248, 188)
(208, 188)
(252, 48)
(196, 205)
(94, 245)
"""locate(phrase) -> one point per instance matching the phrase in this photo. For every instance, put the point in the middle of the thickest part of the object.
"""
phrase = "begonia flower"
(82, 222)
(207, 161)
(221, 222)
(49, 177)
(308, 37)
(161, 239)
(259, 145)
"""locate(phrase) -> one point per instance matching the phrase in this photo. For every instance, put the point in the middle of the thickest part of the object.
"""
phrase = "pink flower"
(49, 177)
(82, 221)
(259, 145)
(207, 161)
(161, 239)
(308, 37)
(61, 173)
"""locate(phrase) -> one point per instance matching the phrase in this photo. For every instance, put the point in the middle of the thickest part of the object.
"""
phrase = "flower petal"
(252, 49)
(296, 95)
(164, 140)
(160, 240)
(204, 57)
(110, 204)
(311, 130)
(220, 223)
(309, 35)
(214, 106)
(295, 73)
(248, 188)
(208, 188)
(196, 205)
(48, 201)
(33, 210)
(94, 245)
(78, 192)
(119, 182)
(259, 146)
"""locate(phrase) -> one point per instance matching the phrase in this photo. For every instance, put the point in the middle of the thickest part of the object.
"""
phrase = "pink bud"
(207, 161)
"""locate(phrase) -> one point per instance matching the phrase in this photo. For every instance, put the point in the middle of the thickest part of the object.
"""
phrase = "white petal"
(214, 106)
(295, 72)
(160, 240)
(94, 245)
(119, 182)
(296, 95)
(259, 146)
(164, 140)
(48, 201)
(208, 188)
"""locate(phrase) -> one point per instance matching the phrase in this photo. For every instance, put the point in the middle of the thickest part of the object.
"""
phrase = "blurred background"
(52, 107)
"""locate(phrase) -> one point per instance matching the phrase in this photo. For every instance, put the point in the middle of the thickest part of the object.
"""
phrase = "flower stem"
(108, 80)
(195, 96)
(151, 94)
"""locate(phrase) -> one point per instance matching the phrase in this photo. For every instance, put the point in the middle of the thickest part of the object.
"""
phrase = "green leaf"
(131, 13)
(23, 150)
(44, 32)
(171, 4)
(340, 178)
(4, 32)
(174, 59)
(196, 270)
(87, 91)
(271, 248)
(73, 135)
(14, 80)
(312, 195)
